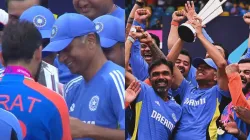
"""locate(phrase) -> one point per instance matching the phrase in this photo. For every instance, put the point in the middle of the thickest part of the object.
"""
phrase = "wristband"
(131, 39)
(174, 23)
(139, 3)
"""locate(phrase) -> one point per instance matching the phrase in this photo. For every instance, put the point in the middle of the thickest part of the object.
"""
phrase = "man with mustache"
(239, 86)
(156, 112)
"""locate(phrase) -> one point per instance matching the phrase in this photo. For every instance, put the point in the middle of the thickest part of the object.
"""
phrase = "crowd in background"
(159, 8)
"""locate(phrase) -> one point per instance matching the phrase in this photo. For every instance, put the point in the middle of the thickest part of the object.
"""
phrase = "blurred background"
(160, 8)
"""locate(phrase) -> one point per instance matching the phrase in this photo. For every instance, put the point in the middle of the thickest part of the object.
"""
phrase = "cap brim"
(45, 33)
(56, 46)
(197, 61)
(107, 43)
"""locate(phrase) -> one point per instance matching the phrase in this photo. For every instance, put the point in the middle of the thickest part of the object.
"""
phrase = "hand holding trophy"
(210, 11)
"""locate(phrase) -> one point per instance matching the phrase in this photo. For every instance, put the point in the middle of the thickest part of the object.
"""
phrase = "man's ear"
(215, 76)
(38, 54)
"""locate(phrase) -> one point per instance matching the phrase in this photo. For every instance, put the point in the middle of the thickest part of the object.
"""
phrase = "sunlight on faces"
(161, 78)
(220, 50)
(146, 53)
(205, 73)
(78, 54)
(245, 74)
(92, 8)
(183, 64)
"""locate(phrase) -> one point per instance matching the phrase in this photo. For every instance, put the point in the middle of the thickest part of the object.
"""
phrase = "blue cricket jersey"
(99, 101)
(42, 113)
(199, 108)
(9, 125)
(155, 118)
(244, 127)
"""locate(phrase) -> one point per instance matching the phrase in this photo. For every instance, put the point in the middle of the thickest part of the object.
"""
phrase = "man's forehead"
(160, 68)
(19, 6)
(244, 66)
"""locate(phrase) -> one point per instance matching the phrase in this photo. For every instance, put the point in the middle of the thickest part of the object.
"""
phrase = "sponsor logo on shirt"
(89, 122)
(193, 102)
(72, 108)
(158, 103)
(158, 117)
(93, 103)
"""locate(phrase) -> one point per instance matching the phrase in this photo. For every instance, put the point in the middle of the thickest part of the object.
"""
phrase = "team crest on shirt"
(54, 31)
(174, 117)
(39, 21)
(93, 103)
(99, 27)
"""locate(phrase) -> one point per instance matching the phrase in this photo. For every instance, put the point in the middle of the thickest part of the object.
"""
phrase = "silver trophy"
(210, 11)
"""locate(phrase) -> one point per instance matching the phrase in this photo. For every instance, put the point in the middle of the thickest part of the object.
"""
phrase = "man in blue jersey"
(9, 126)
(200, 104)
(99, 101)
(42, 113)
(156, 112)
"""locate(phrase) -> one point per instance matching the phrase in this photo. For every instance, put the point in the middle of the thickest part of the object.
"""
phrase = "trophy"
(210, 11)
(49, 77)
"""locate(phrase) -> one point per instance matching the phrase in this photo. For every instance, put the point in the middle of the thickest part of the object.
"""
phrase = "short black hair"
(44, 3)
(19, 41)
(159, 62)
(225, 50)
(185, 52)
(156, 38)
(246, 60)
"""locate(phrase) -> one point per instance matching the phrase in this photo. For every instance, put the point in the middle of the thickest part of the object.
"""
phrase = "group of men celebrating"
(202, 87)
(90, 60)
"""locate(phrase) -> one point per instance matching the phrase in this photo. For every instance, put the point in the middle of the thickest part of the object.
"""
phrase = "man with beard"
(156, 112)
(41, 112)
(239, 86)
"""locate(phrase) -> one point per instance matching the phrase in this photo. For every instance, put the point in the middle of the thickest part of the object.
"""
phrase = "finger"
(148, 13)
(231, 119)
(131, 85)
(192, 4)
(184, 13)
(189, 5)
(138, 91)
(137, 87)
(186, 7)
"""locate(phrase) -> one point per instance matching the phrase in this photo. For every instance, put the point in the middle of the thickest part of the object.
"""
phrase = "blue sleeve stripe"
(117, 80)
(70, 83)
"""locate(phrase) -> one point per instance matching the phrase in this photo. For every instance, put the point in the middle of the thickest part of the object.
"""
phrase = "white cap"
(4, 17)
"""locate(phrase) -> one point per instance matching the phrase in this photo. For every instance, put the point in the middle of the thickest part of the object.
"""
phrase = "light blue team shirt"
(198, 109)
(99, 101)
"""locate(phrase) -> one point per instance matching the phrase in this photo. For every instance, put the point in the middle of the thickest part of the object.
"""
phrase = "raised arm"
(177, 18)
(215, 55)
(246, 18)
(138, 4)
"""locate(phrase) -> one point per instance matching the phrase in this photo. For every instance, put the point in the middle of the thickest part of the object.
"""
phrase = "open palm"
(132, 91)
(190, 9)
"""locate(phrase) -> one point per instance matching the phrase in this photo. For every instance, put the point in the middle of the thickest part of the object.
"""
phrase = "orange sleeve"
(235, 88)
(148, 82)
(59, 103)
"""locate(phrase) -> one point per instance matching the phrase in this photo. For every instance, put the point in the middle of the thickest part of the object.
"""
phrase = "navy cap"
(208, 61)
(66, 28)
(41, 17)
(110, 29)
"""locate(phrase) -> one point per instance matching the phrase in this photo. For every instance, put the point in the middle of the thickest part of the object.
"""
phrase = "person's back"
(9, 126)
(42, 113)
